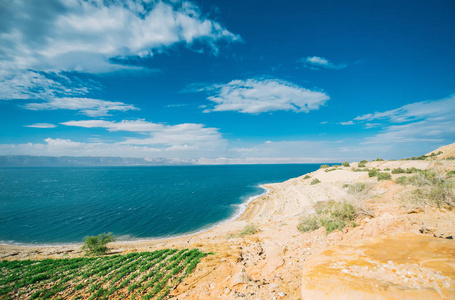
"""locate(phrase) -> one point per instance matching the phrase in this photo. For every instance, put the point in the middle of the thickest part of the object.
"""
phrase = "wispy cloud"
(41, 125)
(316, 62)
(347, 123)
(426, 121)
(86, 106)
(263, 95)
(186, 136)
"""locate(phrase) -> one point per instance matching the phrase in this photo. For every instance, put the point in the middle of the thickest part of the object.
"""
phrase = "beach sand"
(279, 262)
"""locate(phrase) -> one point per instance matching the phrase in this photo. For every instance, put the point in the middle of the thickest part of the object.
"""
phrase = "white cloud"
(83, 36)
(41, 125)
(265, 95)
(316, 62)
(40, 41)
(186, 136)
(347, 123)
(87, 106)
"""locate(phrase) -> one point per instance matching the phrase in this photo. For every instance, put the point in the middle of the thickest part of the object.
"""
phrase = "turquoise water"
(62, 205)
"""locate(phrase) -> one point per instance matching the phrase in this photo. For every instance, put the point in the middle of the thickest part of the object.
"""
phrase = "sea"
(62, 205)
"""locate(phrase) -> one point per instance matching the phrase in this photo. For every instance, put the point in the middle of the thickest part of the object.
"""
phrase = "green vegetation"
(398, 171)
(433, 188)
(378, 159)
(307, 177)
(247, 230)
(354, 188)
(387, 169)
(384, 176)
(346, 164)
(315, 181)
(331, 215)
(96, 245)
(362, 163)
(145, 275)
(323, 166)
(362, 170)
(372, 173)
(332, 169)
(451, 174)
(423, 157)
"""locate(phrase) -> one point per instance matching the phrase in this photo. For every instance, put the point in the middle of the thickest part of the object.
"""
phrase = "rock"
(398, 266)
(240, 278)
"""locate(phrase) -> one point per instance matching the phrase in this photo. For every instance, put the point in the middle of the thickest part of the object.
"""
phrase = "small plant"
(309, 223)
(387, 169)
(403, 180)
(96, 245)
(315, 181)
(346, 164)
(249, 230)
(307, 177)
(384, 176)
(451, 174)
(372, 173)
(378, 159)
(324, 166)
(362, 163)
(398, 171)
(331, 215)
(355, 188)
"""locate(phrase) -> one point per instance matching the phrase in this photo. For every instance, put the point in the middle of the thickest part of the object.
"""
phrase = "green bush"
(331, 215)
(315, 181)
(96, 245)
(362, 170)
(307, 177)
(372, 173)
(403, 180)
(345, 164)
(398, 171)
(355, 188)
(309, 223)
(451, 173)
(249, 230)
(362, 163)
(323, 166)
(378, 159)
(384, 176)
(387, 169)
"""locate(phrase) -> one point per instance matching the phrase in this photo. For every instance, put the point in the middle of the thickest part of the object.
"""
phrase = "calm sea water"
(62, 205)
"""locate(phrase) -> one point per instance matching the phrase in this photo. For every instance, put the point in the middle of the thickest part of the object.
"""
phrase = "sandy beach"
(279, 262)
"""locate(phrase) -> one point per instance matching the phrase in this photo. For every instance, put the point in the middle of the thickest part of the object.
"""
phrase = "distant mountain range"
(73, 161)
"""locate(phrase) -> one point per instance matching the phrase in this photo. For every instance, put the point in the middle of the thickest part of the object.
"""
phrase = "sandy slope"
(272, 263)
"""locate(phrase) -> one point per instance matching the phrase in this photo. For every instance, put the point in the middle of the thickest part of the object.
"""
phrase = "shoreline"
(242, 208)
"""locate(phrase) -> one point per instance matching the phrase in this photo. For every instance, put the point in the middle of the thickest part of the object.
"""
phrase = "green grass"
(145, 274)
(307, 177)
(324, 166)
(398, 171)
(451, 174)
(329, 214)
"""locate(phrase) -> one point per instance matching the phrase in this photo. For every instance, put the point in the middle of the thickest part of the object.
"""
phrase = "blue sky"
(227, 81)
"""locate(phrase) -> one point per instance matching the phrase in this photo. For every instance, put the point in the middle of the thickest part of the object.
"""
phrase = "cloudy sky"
(227, 81)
